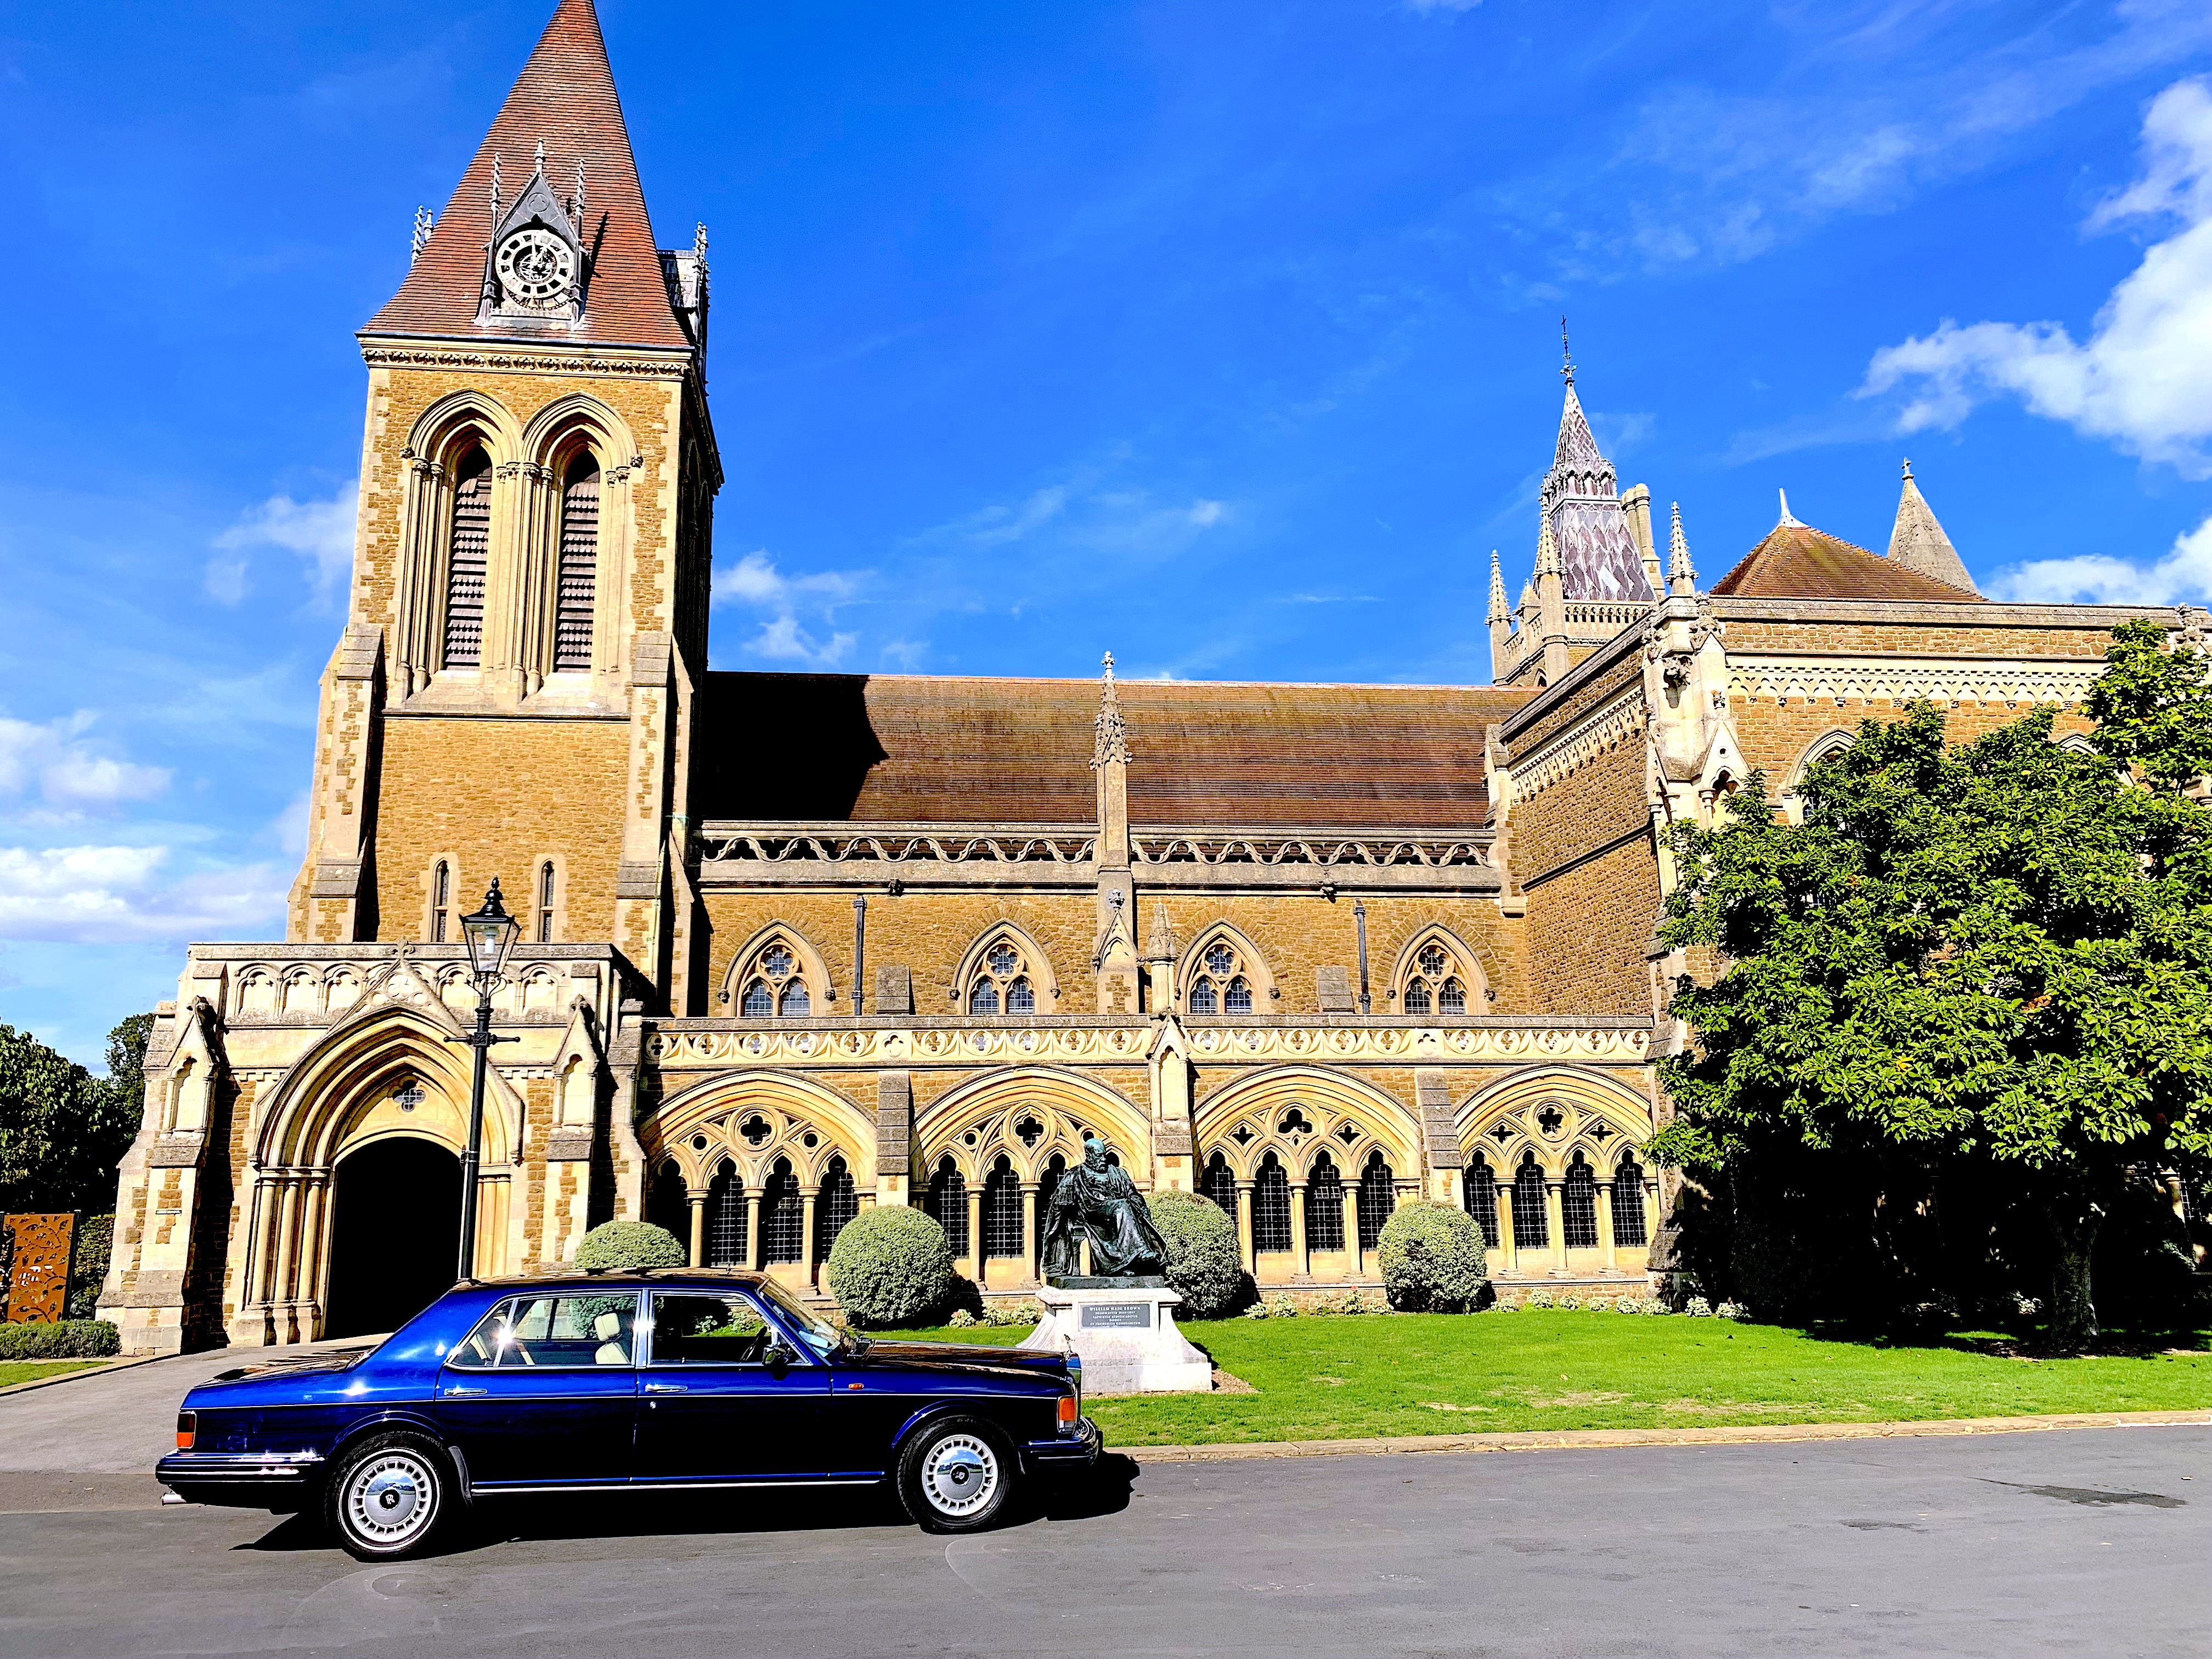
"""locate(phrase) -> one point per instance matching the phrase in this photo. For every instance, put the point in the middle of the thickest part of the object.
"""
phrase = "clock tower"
(527, 616)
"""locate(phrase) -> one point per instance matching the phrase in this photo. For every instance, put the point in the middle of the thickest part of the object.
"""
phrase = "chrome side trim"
(673, 1486)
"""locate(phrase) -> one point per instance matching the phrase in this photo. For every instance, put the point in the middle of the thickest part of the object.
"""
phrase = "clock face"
(535, 267)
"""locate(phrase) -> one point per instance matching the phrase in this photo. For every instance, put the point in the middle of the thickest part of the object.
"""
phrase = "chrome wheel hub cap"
(389, 1497)
(959, 1475)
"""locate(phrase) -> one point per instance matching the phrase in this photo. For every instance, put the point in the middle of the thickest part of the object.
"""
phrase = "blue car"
(675, 1379)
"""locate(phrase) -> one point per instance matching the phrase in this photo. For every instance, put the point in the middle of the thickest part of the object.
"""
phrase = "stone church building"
(1311, 950)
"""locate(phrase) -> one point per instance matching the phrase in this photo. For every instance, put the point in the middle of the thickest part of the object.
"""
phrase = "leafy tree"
(1993, 959)
(62, 1130)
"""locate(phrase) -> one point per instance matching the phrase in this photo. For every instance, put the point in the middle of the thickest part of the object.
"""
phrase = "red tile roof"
(565, 98)
(928, 749)
(1796, 562)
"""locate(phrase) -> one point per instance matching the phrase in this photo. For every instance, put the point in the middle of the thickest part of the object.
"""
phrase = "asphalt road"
(2093, 1541)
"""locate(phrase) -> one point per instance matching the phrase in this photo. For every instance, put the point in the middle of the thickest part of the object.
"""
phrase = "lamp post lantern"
(487, 934)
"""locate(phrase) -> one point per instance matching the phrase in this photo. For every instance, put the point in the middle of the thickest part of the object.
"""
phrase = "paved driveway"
(2093, 1541)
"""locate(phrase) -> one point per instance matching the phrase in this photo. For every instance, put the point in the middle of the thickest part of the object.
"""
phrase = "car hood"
(958, 1356)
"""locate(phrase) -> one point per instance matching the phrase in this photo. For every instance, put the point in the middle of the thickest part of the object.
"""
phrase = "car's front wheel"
(388, 1496)
(954, 1475)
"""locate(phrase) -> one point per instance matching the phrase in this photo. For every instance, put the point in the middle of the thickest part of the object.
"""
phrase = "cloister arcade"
(1551, 1171)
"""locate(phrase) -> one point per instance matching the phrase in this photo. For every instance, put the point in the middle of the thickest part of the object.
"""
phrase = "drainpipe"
(860, 948)
(1359, 918)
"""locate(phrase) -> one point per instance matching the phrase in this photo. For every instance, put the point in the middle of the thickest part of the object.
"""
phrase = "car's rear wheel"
(389, 1496)
(956, 1475)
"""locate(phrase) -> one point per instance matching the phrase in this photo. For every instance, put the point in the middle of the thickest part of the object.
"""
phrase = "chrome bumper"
(246, 1479)
(1079, 1450)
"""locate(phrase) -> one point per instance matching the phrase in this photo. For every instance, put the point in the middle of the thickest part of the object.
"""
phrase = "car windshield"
(818, 1333)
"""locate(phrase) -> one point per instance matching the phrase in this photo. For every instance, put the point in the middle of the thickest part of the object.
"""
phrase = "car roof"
(629, 1277)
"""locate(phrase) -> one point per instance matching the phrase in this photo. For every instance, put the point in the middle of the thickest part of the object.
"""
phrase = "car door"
(724, 1396)
(543, 1392)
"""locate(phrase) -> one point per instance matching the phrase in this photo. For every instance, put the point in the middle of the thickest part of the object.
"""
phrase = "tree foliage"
(1996, 954)
(62, 1130)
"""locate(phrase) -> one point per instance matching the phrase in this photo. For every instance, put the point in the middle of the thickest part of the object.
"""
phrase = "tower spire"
(1682, 579)
(1110, 747)
(1918, 544)
(1581, 502)
(1789, 520)
(1497, 611)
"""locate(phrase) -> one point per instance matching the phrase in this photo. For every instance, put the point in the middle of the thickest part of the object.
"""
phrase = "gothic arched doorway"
(395, 1233)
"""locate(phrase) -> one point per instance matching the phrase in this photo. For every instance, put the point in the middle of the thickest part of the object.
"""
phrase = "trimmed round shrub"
(890, 1266)
(60, 1339)
(1431, 1258)
(616, 1244)
(1203, 1266)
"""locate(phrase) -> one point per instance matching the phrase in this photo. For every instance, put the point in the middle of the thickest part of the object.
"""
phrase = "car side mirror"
(779, 1360)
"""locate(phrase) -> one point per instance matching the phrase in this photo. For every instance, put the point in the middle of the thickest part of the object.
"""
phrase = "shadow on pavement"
(1104, 1490)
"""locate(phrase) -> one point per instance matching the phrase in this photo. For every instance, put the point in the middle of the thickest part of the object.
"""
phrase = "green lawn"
(1324, 1378)
(30, 1370)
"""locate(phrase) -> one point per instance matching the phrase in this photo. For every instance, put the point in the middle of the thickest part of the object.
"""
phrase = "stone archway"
(395, 1233)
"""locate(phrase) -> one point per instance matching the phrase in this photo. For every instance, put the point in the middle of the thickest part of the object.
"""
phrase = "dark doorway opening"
(395, 1234)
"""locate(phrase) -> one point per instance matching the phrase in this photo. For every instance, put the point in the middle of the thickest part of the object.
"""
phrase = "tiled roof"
(1796, 562)
(565, 98)
(929, 749)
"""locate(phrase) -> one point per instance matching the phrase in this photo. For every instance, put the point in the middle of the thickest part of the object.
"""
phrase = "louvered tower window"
(578, 568)
(465, 568)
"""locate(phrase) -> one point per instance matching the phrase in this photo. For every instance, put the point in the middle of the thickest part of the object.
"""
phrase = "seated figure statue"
(1097, 1200)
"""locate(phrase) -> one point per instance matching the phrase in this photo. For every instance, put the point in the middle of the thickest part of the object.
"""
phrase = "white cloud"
(754, 580)
(93, 895)
(67, 772)
(321, 532)
(1441, 5)
(2143, 378)
(2185, 572)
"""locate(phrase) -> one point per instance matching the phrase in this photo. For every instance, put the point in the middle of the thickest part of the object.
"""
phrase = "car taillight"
(188, 1425)
(1067, 1411)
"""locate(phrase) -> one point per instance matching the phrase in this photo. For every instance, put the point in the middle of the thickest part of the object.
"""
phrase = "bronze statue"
(1098, 1201)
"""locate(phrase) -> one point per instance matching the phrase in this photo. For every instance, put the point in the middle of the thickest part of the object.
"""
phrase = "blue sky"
(1225, 336)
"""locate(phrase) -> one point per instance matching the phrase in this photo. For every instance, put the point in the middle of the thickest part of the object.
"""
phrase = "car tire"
(389, 1496)
(955, 1475)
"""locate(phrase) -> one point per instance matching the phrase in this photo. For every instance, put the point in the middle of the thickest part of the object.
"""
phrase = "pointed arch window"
(1002, 981)
(442, 900)
(1578, 1207)
(1002, 1211)
(576, 576)
(669, 1203)
(1324, 1205)
(545, 881)
(725, 1218)
(1218, 1182)
(836, 1204)
(782, 1215)
(1049, 1180)
(1378, 1197)
(1479, 1184)
(1435, 982)
(1628, 1229)
(1222, 985)
(1531, 1227)
(946, 1203)
(469, 551)
(1271, 1206)
(774, 985)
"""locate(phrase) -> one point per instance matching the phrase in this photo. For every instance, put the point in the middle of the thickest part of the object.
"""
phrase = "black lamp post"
(488, 934)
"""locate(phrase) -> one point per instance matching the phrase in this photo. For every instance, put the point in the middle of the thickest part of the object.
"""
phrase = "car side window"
(552, 1330)
(693, 1328)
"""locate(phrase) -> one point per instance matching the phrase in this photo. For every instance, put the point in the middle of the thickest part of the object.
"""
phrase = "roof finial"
(538, 167)
(699, 246)
(1498, 613)
(1548, 549)
(495, 189)
(1112, 744)
(1682, 579)
(1788, 520)
(1908, 467)
(1566, 357)
(424, 225)
(579, 196)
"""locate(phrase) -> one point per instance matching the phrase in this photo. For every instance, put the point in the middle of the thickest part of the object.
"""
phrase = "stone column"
(1605, 1219)
(1351, 1251)
(287, 1244)
(1555, 1213)
(975, 1229)
(697, 1196)
(1650, 1213)
(260, 1270)
(311, 1288)
(753, 1229)
(1301, 1262)
(1508, 1241)
(1029, 1232)
(806, 1197)
(1244, 1230)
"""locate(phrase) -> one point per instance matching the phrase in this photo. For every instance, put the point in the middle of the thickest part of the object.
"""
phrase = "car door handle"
(667, 1388)
(454, 1393)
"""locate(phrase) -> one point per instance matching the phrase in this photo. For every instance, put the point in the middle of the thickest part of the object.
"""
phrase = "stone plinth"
(1125, 1336)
